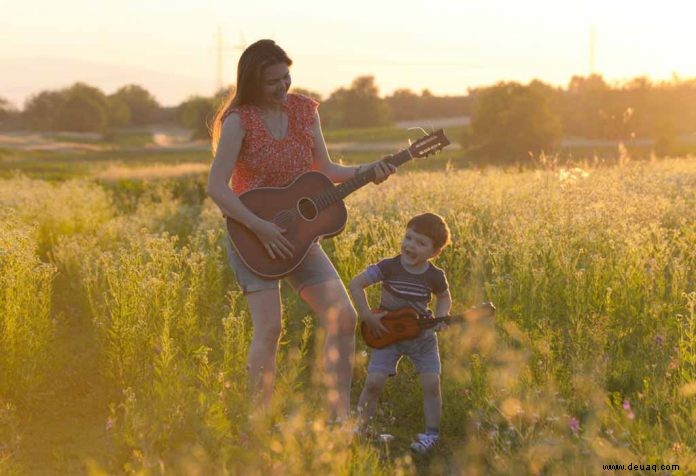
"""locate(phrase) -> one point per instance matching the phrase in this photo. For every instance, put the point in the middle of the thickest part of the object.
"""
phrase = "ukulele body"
(403, 324)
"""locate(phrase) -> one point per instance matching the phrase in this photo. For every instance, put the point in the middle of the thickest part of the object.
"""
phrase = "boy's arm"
(357, 291)
(443, 304)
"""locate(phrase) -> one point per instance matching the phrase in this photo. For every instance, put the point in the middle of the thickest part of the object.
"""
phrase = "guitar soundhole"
(307, 209)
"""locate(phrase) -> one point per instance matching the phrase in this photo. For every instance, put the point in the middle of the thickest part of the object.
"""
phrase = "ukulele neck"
(430, 322)
(480, 312)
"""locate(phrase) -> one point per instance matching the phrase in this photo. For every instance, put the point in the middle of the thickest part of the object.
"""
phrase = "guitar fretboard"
(339, 192)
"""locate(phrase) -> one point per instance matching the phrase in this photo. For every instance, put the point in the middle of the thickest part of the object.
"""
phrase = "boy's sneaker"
(424, 443)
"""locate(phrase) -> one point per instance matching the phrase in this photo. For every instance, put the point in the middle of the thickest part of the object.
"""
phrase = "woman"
(263, 136)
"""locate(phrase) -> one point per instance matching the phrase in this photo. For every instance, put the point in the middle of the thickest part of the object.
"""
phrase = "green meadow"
(124, 335)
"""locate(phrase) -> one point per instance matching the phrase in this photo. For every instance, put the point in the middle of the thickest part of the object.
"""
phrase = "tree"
(8, 115)
(306, 92)
(118, 112)
(511, 120)
(6, 109)
(404, 104)
(357, 106)
(79, 108)
(142, 105)
(41, 112)
(197, 114)
(84, 110)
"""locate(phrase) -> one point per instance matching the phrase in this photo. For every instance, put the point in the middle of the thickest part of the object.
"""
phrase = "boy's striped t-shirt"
(401, 288)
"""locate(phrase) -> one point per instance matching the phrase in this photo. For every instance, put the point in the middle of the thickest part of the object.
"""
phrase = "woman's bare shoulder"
(232, 121)
(232, 126)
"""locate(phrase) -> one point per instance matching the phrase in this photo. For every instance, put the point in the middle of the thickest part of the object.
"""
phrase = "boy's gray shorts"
(423, 352)
(315, 268)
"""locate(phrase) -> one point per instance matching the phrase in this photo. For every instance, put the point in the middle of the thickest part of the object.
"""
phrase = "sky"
(169, 47)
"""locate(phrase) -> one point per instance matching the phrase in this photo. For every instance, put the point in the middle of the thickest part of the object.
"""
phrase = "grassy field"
(124, 334)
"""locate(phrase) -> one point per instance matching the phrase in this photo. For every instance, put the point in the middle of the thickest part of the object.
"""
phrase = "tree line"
(506, 118)
(84, 108)
(510, 120)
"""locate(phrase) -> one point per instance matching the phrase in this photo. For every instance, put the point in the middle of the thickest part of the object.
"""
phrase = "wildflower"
(110, 423)
(574, 425)
(626, 405)
(658, 340)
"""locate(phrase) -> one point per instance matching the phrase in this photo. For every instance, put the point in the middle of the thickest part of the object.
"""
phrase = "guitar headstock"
(429, 144)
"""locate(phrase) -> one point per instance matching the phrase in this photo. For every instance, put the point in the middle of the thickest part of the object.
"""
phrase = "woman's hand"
(374, 322)
(271, 236)
(383, 169)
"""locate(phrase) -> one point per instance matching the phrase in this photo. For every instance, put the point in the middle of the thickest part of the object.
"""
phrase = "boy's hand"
(374, 322)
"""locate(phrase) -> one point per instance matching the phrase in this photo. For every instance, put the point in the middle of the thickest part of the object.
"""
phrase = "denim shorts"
(423, 352)
(315, 268)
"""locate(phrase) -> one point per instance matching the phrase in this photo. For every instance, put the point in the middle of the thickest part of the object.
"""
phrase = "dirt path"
(65, 426)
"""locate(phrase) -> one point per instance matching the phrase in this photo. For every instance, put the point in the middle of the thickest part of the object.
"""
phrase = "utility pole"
(220, 49)
(592, 50)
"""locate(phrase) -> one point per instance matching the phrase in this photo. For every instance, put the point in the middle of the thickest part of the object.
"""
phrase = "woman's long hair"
(253, 61)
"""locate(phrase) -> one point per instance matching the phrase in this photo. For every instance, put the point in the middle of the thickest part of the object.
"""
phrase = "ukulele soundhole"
(307, 209)
(399, 328)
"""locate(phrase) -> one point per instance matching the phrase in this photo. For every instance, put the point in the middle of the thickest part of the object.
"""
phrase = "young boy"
(408, 279)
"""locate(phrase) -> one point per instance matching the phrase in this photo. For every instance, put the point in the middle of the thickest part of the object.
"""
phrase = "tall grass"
(591, 361)
(25, 301)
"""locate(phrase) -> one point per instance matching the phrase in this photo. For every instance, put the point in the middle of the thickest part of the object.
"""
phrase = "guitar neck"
(429, 144)
(339, 192)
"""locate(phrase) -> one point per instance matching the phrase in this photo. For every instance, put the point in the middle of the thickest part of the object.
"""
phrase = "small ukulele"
(406, 324)
(310, 208)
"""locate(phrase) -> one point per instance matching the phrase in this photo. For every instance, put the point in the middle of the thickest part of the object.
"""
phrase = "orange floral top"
(265, 161)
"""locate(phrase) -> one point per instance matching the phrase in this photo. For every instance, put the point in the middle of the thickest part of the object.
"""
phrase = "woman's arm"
(226, 155)
(231, 137)
(340, 173)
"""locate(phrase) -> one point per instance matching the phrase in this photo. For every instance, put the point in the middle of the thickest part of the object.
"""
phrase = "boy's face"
(416, 248)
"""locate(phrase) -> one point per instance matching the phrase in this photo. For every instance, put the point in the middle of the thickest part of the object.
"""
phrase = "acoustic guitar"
(406, 324)
(310, 208)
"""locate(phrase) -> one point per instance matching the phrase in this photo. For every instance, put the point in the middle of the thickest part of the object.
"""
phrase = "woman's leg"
(265, 309)
(329, 301)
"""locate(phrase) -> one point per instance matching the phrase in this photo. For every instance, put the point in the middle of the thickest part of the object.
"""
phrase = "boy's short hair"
(433, 226)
